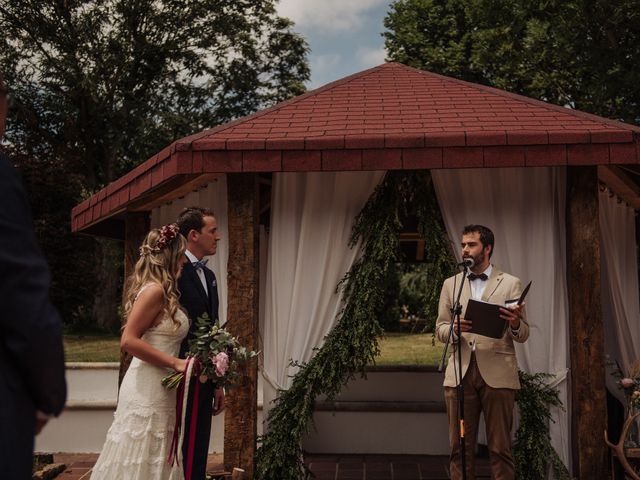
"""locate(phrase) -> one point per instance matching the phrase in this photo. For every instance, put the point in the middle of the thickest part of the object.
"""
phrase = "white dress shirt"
(192, 258)
(478, 286)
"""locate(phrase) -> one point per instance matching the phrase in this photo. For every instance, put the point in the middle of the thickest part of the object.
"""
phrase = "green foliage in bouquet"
(219, 353)
(533, 452)
(353, 342)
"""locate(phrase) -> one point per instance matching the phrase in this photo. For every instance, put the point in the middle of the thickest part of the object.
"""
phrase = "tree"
(101, 85)
(578, 53)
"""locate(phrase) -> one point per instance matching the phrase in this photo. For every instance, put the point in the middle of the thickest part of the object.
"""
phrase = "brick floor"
(386, 467)
(325, 467)
(79, 464)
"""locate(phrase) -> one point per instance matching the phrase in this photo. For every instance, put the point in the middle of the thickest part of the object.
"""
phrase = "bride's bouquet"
(217, 353)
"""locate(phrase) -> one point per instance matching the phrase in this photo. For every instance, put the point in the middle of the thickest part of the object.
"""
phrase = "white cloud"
(328, 15)
(324, 68)
(371, 57)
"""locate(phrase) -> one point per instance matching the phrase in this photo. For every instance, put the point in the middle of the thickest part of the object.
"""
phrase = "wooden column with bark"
(241, 413)
(586, 329)
(136, 227)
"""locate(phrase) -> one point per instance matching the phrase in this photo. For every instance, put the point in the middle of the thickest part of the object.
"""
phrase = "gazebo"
(387, 118)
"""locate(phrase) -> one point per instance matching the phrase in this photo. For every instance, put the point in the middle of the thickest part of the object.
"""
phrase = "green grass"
(92, 348)
(396, 349)
(409, 349)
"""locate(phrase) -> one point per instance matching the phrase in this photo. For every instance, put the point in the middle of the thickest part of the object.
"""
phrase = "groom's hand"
(218, 401)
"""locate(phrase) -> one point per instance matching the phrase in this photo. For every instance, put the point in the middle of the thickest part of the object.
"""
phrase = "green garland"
(353, 342)
(533, 452)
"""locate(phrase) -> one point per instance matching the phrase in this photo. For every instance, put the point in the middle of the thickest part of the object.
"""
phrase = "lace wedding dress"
(139, 439)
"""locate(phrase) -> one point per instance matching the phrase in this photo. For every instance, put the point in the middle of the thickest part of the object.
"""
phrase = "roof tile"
(341, 160)
(382, 159)
(623, 153)
(301, 160)
(545, 155)
(589, 154)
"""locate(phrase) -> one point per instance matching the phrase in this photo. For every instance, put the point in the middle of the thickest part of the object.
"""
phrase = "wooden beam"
(176, 187)
(620, 182)
(586, 328)
(136, 228)
(241, 412)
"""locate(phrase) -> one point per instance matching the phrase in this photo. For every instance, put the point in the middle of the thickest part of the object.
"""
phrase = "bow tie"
(482, 276)
(199, 264)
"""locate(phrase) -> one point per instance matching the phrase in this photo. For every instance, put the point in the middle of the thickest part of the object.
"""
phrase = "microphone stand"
(456, 311)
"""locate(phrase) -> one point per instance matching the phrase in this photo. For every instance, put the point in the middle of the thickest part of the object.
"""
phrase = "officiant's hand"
(465, 325)
(218, 401)
(513, 315)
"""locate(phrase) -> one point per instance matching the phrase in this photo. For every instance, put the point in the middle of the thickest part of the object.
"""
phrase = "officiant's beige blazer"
(496, 358)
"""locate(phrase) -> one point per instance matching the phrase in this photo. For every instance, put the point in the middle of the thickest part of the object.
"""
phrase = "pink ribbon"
(193, 367)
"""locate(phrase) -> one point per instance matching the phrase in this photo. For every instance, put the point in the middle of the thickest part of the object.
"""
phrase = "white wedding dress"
(139, 439)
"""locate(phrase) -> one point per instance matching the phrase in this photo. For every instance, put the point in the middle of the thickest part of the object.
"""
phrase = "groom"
(199, 296)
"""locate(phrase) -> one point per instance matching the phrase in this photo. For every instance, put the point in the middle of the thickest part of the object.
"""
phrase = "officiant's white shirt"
(478, 286)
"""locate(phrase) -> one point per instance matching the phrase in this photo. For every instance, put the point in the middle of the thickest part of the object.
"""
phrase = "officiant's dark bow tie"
(199, 264)
(482, 276)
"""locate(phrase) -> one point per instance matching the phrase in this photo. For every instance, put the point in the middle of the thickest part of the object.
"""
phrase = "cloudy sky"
(343, 35)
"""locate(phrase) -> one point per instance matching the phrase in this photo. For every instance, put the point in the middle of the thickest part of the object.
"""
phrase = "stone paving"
(325, 467)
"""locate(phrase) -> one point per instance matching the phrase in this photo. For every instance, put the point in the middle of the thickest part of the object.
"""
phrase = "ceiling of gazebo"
(389, 117)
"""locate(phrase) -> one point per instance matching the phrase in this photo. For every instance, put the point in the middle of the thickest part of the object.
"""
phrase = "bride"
(139, 439)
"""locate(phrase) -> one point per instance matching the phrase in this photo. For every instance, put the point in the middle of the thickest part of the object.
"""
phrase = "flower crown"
(168, 233)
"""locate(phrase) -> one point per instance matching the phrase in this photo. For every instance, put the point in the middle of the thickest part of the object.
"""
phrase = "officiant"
(489, 368)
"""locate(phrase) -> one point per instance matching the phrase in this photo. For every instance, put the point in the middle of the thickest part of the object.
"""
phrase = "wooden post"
(136, 227)
(241, 411)
(586, 330)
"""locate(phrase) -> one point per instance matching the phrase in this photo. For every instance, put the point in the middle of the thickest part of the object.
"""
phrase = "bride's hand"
(180, 365)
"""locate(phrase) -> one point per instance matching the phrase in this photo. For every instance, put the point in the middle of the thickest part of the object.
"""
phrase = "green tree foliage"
(101, 85)
(578, 53)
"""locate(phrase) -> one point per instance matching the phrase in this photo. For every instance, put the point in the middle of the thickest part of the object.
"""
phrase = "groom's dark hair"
(192, 218)
(486, 235)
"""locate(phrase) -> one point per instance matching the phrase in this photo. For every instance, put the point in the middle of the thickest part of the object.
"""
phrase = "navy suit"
(31, 352)
(194, 299)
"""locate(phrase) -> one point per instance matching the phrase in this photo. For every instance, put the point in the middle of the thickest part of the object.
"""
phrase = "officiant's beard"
(479, 259)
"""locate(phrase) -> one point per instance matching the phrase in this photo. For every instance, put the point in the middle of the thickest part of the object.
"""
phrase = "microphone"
(467, 262)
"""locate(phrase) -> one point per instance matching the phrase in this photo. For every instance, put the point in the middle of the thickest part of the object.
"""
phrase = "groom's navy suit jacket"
(194, 299)
(31, 355)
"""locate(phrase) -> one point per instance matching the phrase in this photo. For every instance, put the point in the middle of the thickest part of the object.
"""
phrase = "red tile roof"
(389, 117)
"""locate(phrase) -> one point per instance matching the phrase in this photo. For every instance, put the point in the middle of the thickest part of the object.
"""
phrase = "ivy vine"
(532, 451)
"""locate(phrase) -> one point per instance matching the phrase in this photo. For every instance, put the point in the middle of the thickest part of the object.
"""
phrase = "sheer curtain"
(213, 197)
(312, 216)
(525, 208)
(619, 279)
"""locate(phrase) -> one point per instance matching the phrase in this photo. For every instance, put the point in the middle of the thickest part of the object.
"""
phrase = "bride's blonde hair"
(159, 262)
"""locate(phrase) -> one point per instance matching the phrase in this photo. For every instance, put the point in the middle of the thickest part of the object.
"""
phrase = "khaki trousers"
(497, 405)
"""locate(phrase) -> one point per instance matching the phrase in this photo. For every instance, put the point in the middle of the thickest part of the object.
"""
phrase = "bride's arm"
(145, 310)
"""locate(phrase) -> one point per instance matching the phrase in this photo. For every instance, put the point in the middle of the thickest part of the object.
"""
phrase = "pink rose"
(221, 361)
(626, 382)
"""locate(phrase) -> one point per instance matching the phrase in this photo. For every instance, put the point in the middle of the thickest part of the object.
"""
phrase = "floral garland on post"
(353, 342)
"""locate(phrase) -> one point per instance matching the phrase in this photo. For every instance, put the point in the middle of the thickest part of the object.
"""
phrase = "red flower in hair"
(167, 234)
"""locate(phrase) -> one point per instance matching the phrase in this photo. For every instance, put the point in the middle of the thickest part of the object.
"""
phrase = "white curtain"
(619, 279)
(525, 208)
(312, 216)
(214, 197)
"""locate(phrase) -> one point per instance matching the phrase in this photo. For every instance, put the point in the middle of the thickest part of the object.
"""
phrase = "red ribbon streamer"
(192, 429)
(175, 442)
